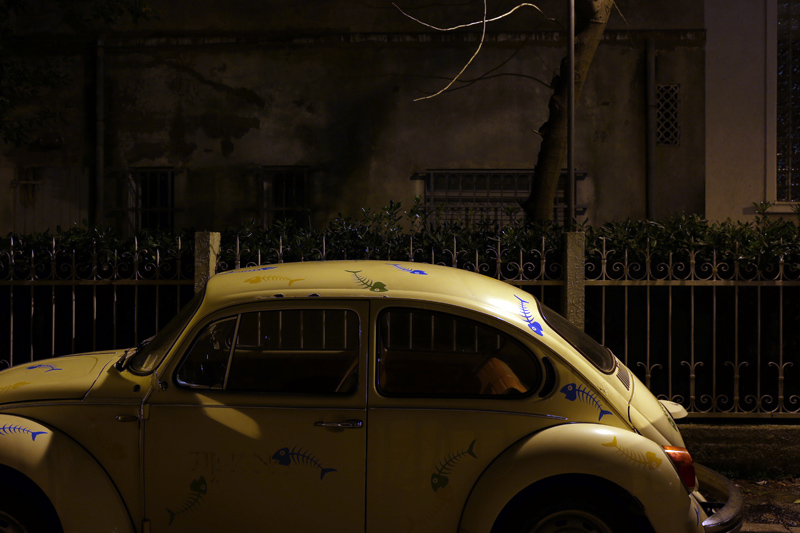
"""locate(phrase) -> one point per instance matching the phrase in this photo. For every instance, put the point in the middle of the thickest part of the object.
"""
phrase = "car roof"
(368, 279)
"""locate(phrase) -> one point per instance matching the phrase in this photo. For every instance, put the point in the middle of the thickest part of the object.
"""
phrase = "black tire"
(576, 516)
(24, 508)
(586, 506)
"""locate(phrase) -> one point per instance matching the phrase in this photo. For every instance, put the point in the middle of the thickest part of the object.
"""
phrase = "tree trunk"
(591, 17)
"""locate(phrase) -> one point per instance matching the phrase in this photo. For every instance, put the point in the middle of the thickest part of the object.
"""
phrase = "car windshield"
(150, 354)
(594, 352)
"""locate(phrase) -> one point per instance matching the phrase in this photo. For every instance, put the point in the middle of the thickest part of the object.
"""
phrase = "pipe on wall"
(98, 198)
(652, 107)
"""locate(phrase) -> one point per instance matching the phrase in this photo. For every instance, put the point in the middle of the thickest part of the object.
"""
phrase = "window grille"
(471, 195)
(282, 194)
(788, 100)
(668, 131)
(151, 199)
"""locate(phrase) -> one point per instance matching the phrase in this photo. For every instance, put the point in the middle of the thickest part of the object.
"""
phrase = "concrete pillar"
(206, 254)
(573, 297)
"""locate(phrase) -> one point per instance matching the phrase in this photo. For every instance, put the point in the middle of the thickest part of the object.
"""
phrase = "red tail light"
(684, 465)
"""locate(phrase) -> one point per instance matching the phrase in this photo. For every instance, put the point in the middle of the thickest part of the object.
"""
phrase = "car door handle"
(346, 424)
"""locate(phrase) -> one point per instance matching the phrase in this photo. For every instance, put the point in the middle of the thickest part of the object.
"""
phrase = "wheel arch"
(584, 485)
(64, 473)
(583, 452)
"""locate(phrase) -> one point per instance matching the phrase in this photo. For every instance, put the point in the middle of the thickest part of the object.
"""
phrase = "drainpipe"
(651, 130)
(97, 212)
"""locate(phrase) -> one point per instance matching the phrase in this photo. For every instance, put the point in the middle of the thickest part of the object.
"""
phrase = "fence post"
(206, 253)
(573, 297)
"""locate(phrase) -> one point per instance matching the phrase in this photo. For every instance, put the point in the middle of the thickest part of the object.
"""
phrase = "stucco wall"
(217, 89)
(740, 85)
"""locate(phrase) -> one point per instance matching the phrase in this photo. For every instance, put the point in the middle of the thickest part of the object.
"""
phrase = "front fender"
(80, 490)
(634, 463)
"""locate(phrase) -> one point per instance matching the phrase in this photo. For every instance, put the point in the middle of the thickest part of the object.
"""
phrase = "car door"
(259, 423)
(452, 389)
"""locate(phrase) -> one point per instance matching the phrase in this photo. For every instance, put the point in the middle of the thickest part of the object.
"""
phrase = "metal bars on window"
(494, 195)
(282, 194)
(151, 199)
(668, 131)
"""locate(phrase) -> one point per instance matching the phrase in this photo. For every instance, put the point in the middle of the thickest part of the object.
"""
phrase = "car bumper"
(723, 502)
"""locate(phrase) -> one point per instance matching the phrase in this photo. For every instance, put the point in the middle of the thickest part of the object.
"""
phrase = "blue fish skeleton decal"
(198, 489)
(286, 457)
(439, 478)
(253, 269)
(374, 286)
(49, 368)
(528, 317)
(9, 429)
(409, 270)
(579, 392)
(645, 460)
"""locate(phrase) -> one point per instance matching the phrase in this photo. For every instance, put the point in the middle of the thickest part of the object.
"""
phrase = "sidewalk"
(754, 527)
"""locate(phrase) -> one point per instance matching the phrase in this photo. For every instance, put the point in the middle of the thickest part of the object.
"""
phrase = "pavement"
(751, 527)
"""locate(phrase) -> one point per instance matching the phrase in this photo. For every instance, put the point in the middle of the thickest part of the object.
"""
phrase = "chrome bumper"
(725, 508)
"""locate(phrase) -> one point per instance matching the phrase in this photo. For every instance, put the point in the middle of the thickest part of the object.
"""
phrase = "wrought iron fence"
(64, 301)
(709, 330)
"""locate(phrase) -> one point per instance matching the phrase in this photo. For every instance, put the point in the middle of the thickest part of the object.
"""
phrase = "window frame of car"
(535, 349)
(359, 308)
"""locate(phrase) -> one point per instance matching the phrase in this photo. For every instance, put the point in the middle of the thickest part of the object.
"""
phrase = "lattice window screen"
(668, 131)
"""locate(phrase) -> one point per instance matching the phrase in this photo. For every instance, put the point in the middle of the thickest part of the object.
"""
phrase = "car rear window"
(597, 354)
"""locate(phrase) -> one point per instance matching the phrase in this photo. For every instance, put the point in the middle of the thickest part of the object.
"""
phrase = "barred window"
(668, 131)
(151, 199)
(470, 195)
(788, 100)
(282, 194)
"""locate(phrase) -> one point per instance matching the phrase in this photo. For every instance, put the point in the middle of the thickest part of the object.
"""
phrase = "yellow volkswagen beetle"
(351, 396)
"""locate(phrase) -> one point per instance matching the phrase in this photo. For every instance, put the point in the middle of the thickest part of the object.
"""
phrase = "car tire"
(584, 504)
(22, 511)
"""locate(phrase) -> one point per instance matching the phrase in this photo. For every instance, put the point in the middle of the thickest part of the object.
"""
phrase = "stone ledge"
(745, 451)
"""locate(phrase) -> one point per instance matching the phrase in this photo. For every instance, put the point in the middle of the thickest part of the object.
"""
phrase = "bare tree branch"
(480, 45)
(484, 21)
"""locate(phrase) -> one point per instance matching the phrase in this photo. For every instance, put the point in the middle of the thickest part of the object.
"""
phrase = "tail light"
(683, 464)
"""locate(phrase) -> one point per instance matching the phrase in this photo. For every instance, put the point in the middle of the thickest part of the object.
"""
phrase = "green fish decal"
(198, 489)
(645, 460)
(374, 286)
(439, 478)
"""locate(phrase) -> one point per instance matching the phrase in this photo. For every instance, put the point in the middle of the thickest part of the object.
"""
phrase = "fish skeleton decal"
(645, 460)
(286, 457)
(198, 489)
(14, 386)
(259, 279)
(253, 269)
(374, 286)
(9, 429)
(528, 317)
(579, 392)
(409, 270)
(49, 368)
(439, 478)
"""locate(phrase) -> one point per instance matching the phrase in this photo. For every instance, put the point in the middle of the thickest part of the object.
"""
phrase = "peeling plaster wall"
(216, 90)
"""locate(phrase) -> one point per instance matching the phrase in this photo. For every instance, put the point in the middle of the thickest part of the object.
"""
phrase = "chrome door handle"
(346, 424)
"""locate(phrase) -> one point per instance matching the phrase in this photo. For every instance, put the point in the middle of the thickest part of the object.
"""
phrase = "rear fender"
(77, 486)
(634, 463)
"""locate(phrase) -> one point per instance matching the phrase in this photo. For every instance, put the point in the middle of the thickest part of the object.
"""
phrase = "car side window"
(433, 354)
(310, 351)
(207, 360)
